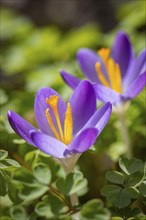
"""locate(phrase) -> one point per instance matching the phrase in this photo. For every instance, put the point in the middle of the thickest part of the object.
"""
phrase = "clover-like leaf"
(132, 192)
(115, 177)
(33, 192)
(42, 173)
(134, 178)
(44, 209)
(110, 190)
(122, 200)
(130, 166)
(93, 210)
(50, 207)
(73, 183)
(18, 212)
(142, 188)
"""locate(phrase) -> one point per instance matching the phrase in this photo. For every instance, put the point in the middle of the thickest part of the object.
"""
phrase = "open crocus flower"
(66, 130)
(116, 75)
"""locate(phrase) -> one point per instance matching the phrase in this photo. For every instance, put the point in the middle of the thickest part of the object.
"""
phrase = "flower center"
(113, 70)
(63, 135)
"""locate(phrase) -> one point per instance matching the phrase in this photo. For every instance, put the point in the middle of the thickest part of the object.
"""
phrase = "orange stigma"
(66, 135)
(114, 80)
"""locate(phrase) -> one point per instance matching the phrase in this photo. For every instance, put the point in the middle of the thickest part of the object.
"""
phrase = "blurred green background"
(40, 38)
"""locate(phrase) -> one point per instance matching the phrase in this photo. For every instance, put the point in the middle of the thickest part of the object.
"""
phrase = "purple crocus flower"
(66, 130)
(116, 76)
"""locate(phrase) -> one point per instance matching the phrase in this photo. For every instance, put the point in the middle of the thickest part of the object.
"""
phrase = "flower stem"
(124, 130)
(68, 165)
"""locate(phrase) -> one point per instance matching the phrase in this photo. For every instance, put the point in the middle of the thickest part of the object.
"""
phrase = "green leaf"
(4, 184)
(142, 188)
(123, 199)
(13, 191)
(73, 183)
(3, 154)
(132, 192)
(135, 178)
(42, 173)
(79, 182)
(44, 209)
(131, 166)
(33, 192)
(56, 204)
(25, 177)
(94, 210)
(110, 190)
(115, 177)
(9, 164)
(13, 163)
(18, 212)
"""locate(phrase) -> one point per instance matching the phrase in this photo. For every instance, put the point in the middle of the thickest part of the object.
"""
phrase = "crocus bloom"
(116, 75)
(65, 129)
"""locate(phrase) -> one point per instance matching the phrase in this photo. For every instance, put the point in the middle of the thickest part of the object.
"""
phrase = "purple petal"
(71, 80)
(21, 126)
(122, 52)
(100, 117)
(48, 144)
(83, 103)
(106, 94)
(87, 60)
(137, 86)
(41, 106)
(137, 67)
(83, 140)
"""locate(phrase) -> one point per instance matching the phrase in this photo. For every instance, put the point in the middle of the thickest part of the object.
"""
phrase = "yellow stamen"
(104, 54)
(118, 79)
(51, 124)
(100, 75)
(113, 71)
(68, 125)
(53, 102)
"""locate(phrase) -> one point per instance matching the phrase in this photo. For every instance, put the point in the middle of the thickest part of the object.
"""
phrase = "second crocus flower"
(116, 75)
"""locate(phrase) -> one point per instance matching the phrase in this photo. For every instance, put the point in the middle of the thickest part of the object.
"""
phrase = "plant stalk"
(124, 130)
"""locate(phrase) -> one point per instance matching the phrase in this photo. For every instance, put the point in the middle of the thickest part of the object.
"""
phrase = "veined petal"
(106, 94)
(140, 64)
(87, 60)
(137, 86)
(137, 67)
(48, 144)
(83, 104)
(71, 80)
(41, 106)
(122, 52)
(100, 117)
(21, 126)
(83, 141)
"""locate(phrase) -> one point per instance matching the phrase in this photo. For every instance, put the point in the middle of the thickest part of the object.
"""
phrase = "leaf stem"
(21, 161)
(144, 175)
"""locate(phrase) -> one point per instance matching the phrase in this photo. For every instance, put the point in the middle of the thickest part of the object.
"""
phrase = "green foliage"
(94, 210)
(8, 186)
(73, 183)
(127, 186)
(18, 212)
(31, 58)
